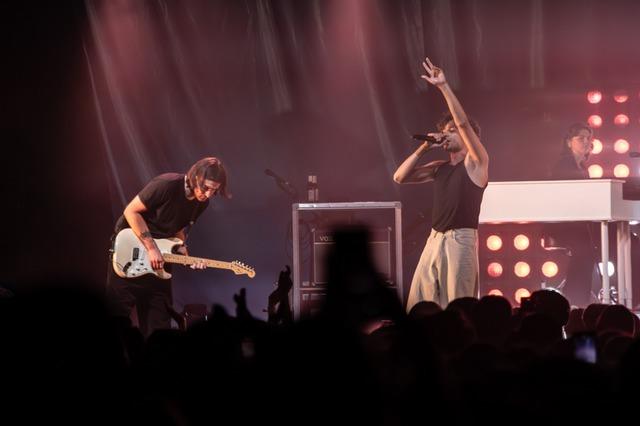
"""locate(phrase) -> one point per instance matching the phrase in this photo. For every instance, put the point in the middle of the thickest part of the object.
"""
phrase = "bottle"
(312, 189)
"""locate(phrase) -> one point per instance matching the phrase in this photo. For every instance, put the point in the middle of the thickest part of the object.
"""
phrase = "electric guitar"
(130, 257)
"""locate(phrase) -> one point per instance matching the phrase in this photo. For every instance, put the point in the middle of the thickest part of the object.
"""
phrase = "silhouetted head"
(356, 292)
(464, 305)
(424, 309)
(591, 314)
(551, 303)
(616, 318)
(491, 317)
(575, 324)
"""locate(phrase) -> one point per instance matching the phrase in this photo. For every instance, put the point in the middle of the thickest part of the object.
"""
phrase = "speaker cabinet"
(312, 241)
(379, 246)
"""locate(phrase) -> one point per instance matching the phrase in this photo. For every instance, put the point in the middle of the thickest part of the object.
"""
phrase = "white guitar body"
(130, 258)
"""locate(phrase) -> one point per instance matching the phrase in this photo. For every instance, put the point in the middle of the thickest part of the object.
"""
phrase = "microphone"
(282, 183)
(431, 139)
(634, 154)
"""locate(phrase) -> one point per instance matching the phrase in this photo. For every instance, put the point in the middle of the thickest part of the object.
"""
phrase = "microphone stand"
(284, 185)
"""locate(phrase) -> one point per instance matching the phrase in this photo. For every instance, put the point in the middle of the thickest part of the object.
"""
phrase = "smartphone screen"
(584, 348)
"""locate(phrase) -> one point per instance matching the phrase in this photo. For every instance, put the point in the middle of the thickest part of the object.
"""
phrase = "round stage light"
(595, 171)
(621, 146)
(495, 292)
(520, 293)
(594, 96)
(521, 269)
(620, 96)
(549, 269)
(494, 269)
(621, 171)
(597, 146)
(621, 120)
(494, 242)
(521, 242)
(594, 121)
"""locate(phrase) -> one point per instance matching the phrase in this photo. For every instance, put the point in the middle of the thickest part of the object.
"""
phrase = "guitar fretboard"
(190, 260)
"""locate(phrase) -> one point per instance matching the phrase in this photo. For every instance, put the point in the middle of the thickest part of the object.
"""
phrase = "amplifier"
(380, 248)
(311, 302)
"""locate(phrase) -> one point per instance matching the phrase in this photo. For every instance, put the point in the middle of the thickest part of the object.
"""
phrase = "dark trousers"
(150, 295)
(581, 286)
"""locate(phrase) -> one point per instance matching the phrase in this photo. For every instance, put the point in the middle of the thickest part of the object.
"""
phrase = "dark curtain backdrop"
(131, 89)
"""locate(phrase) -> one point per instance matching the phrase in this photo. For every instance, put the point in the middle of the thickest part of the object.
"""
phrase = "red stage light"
(494, 269)
(620, 96)
(594, 96)
(549, 269)
(594, 121)
(621, 120)
(494, 243)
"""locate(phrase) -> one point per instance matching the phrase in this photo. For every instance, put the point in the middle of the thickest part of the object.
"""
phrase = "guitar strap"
(194, 215)
(112, 244)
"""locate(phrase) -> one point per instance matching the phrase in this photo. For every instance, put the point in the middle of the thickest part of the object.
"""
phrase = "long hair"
(208, 168)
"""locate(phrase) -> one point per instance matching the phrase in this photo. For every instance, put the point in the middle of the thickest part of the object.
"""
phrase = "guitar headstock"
(240, 268)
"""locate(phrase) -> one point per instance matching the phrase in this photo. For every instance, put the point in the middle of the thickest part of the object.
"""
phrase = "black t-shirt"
(566, 168)
(168, 209)
(575, 235)
(456, 199)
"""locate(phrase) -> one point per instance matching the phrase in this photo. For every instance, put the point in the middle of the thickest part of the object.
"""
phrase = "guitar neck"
(190, 260)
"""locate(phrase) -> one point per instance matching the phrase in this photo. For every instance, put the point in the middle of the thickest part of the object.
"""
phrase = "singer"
(448, 266)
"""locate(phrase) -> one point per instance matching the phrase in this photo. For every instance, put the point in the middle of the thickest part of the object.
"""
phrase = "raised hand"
(434, 75)
(242, 312)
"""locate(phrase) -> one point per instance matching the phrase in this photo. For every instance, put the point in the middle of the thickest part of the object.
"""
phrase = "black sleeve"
(154, 193)
(566, 169)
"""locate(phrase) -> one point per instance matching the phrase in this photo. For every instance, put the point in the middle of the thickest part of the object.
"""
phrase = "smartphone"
(584, 348)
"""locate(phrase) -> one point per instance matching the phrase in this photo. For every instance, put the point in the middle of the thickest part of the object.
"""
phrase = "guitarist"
(166, 207)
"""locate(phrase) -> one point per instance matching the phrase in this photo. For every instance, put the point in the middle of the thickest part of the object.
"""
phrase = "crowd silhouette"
(360, 360)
